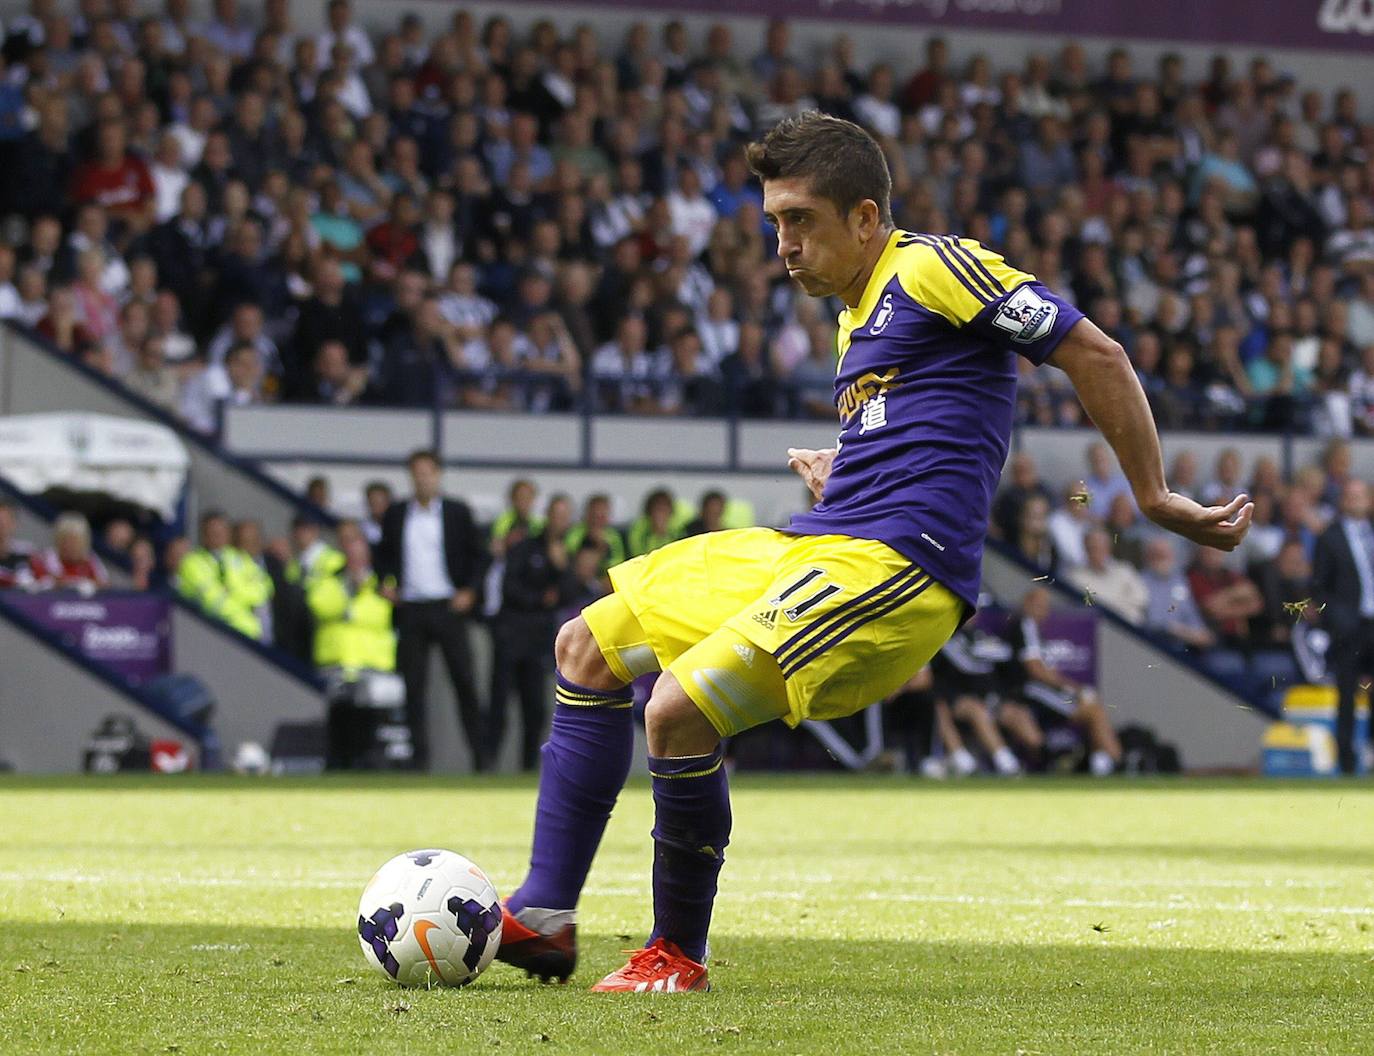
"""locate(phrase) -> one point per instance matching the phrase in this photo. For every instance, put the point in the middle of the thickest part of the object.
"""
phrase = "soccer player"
(858, 593)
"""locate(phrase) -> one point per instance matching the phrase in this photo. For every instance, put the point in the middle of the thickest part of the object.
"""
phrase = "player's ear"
(865, 218)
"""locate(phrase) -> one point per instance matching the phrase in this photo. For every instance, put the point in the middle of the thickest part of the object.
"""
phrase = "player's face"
(823, 250)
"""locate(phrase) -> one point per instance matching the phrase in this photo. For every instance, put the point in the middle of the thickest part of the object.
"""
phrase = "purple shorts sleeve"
(1030, 321)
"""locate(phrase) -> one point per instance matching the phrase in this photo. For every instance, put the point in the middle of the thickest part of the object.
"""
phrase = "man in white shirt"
(430, 557)
(1106, 581)
(693, 215)
(342, 31)
(238, 383)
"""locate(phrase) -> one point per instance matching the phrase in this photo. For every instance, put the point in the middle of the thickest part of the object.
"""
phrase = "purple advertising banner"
(1345, 25)
(1068, 640)
(129, 633)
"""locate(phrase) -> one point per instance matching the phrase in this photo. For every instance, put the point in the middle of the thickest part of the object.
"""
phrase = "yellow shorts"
(758, 624)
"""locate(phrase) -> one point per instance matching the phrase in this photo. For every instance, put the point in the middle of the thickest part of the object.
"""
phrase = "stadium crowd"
(1249, 616)
(235, 210)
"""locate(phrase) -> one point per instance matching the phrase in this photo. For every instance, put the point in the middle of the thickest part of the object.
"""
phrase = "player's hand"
(1222, 527)
(812, 466)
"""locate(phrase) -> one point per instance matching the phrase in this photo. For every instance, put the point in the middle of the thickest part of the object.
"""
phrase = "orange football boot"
(549, 957)
(659, 968)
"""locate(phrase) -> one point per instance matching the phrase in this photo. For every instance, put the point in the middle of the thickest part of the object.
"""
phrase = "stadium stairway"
(37, 378)
(1214, 723)
(255, 686)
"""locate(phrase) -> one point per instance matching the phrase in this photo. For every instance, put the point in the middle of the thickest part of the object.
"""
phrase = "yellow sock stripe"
(590, 694)
(691, 773)
(590, 702)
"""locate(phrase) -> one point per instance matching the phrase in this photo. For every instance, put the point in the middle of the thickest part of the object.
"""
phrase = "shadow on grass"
(221, 988)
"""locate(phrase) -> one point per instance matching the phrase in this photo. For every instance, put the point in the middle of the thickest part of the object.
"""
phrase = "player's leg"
(722, 686)
(1103, 744)
(843, 623)
(973, 712)
(584, 766)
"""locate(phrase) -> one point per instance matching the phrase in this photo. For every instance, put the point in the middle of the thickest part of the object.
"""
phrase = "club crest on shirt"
(1025, 315)
(883, 317)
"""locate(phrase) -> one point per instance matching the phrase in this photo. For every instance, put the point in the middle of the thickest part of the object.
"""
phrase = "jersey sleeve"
(974, 288)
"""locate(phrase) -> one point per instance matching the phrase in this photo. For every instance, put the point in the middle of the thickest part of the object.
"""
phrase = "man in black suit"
(432, 551)
(1343, 587)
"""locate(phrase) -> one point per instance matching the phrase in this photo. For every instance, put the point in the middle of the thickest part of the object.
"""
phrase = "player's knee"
(674, 724)
(967, 709)
(579, 658)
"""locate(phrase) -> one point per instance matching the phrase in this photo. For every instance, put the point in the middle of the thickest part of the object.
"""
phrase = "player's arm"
(1107, 387)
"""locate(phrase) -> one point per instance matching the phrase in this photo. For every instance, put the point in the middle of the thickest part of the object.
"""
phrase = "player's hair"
(424, 454)
(844, 163)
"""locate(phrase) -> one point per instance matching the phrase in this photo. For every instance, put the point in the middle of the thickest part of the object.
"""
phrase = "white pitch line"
(910, 898)
(1027, 903)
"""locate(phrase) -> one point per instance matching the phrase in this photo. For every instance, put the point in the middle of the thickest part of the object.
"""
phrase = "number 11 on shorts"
(796, 611)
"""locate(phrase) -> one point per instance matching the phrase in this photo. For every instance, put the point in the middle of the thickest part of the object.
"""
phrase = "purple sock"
(585, 764)
(691, 829)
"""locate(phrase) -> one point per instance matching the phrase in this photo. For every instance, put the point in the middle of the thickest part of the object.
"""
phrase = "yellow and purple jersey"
(926, 392)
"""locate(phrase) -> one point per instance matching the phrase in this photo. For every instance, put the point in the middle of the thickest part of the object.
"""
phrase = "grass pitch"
(864, 915)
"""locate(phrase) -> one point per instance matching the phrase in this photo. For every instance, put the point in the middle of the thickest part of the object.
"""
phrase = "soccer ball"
(429, 918)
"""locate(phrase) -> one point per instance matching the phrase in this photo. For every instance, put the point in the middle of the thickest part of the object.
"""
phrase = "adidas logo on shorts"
(768, 620)
(745, 653)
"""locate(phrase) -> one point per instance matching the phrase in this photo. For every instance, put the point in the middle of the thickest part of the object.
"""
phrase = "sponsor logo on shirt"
(1025, 315)
(864, 388)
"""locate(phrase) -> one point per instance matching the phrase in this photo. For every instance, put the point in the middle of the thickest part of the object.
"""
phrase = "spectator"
(1037, 695)
(69, 564)
(1170, 608)
(518, 517)
(317, 492)
(1343, 590)
(710, 515)
(334, 381)
(352, 615)
(238, 383)
(1227, 598)
(116, 180)
(310, 553)
(432, 553)
(596, 530)
(151, 377)
(283, 618)
(377, 498)
(1106, 581)
(654, 527)
(143, 568)
(1127, 529)
(1285, 584)
(15, 555)
(536, 585)
(1032, 542)
(1104, 481)
(118, 535)
(1024, 482)
(1068, 527)
(222, 580)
